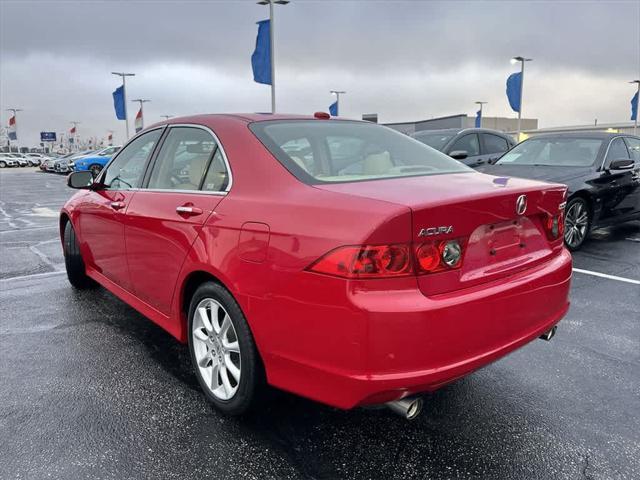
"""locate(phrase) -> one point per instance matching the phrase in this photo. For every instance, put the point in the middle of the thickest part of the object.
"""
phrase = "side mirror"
(624, 164)
(81, 180)
(459, 154)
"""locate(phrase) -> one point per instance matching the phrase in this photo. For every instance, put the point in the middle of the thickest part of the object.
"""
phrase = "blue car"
(96, 161)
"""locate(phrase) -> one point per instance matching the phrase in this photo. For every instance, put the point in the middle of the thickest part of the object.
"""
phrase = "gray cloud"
(403, 59)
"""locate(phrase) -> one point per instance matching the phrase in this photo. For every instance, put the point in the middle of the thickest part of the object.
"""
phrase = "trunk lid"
(480, 211)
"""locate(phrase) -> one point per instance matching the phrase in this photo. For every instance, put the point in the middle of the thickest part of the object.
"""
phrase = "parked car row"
(91, 160)
(11, 159)
(601, 170)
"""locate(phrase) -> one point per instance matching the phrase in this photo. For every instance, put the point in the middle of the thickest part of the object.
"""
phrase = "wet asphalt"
(91, 389)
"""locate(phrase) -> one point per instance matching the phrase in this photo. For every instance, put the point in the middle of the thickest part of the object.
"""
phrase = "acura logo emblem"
(521, 204)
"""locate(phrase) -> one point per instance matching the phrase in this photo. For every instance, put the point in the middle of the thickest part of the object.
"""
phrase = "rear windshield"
(554, 152)
(331, 151)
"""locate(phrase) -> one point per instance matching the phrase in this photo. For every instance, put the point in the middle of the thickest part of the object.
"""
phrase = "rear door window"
(186, 153)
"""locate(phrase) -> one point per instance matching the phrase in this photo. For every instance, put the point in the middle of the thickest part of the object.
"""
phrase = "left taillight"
(384, 261)
(366, 261)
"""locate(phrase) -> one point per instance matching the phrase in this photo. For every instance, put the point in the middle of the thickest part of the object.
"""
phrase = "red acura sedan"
(339, 260)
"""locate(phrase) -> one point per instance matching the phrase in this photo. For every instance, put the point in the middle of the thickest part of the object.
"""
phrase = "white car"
(7, 160)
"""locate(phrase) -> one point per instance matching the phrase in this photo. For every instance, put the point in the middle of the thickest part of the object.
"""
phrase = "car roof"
(456, 131)
(580, 134)
(205, 119)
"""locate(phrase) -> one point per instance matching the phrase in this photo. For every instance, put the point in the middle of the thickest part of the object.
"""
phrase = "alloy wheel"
(576, 224)
(216, 348)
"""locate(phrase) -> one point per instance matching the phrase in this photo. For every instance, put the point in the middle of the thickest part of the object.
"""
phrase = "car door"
(102, 211)
(616, 187)
(493, 146)
(633, 145)
(469, 143)
(188, 179)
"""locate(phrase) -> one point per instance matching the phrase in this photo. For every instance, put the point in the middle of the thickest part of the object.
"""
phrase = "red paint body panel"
(341, 342)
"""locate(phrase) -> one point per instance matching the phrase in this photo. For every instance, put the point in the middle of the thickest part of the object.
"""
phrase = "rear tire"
(221, 351)
(577, 223)
(73, 260)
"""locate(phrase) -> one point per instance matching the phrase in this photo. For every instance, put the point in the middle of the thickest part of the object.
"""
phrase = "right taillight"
(554, 226)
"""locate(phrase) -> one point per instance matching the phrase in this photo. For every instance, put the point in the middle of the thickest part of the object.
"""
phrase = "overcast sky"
(405, 60)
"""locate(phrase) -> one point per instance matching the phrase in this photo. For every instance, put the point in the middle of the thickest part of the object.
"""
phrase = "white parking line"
(34, 275)
(610, 277)
(633, 239)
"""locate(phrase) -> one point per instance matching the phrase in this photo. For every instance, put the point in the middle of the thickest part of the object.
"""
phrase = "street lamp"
(337, 92)
(481, 104)
(141, 101)
(635, 123)
(271, 48)
(522, 61)
(124, 95)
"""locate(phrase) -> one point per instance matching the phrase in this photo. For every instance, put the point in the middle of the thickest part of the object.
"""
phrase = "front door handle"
(117, 205)
(190, 211)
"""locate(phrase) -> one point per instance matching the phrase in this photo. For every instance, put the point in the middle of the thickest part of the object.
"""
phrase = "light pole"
(481, 104)
(15, 126)
(124, 95)
(141, 101)
(635, 122)
(166, 117)
(271, 49)
(522, 61)
(337, 92)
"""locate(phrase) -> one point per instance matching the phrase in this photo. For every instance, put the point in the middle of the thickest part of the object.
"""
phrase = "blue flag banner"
(478, 118)
(634, 107)
(261, 58)
(333, 109)
(118, 103)
(514, 88)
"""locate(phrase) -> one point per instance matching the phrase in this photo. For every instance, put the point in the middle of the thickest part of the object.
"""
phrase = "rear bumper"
(411, 343)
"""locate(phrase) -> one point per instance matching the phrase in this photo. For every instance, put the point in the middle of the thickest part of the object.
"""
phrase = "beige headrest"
(377, 163)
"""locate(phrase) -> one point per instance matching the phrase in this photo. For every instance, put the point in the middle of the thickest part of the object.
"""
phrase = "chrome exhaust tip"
(550, 334)
(409, 407)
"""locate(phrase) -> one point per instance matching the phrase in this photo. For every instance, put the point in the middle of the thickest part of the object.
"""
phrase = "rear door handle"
(190, 211)
(117, 205)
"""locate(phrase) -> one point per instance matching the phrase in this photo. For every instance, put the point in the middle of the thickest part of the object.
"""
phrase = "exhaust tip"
(409, 407)
(550, 334)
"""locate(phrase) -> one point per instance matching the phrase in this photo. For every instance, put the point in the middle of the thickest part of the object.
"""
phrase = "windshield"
(329, 151)
(555, 152)
(435, 140)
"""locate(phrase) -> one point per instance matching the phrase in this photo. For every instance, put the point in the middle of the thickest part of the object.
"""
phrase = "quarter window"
(126, 170)
(186, 154)
(468, 143)
(494, 144)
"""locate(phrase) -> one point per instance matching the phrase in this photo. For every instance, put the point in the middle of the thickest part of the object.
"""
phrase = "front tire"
(223, 352)
(3, 164)
(577, 222)
(73, 260)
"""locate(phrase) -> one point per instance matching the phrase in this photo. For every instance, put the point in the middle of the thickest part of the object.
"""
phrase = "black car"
(602, 171)
(471, 146)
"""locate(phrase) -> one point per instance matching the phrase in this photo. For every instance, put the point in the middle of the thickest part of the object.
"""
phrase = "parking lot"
(91, 389)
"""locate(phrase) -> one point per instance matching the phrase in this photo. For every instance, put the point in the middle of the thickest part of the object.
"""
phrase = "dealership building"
(502, 124)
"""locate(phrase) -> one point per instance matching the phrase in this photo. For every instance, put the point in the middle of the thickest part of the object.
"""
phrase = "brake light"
(366, 261)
